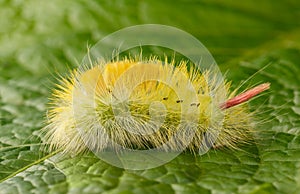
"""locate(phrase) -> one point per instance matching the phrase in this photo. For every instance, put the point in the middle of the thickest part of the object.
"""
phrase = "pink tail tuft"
(243, 97)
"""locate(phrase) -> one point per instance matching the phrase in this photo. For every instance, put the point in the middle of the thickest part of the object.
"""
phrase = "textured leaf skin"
(41, 38)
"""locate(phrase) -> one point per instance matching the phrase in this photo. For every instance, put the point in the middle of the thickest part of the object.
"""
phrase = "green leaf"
(40, 38)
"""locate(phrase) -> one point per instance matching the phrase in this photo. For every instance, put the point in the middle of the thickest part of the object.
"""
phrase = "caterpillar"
(143, 104)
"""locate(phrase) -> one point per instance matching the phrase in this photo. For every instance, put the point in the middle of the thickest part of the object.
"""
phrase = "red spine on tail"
(243, 97)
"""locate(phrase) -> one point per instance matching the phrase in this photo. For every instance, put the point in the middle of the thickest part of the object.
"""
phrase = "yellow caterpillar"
(142, 104)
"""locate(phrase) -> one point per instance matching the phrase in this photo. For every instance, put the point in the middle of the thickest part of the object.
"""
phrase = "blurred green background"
(40, 38)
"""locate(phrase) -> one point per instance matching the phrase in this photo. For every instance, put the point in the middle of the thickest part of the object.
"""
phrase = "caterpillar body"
(141, 104)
